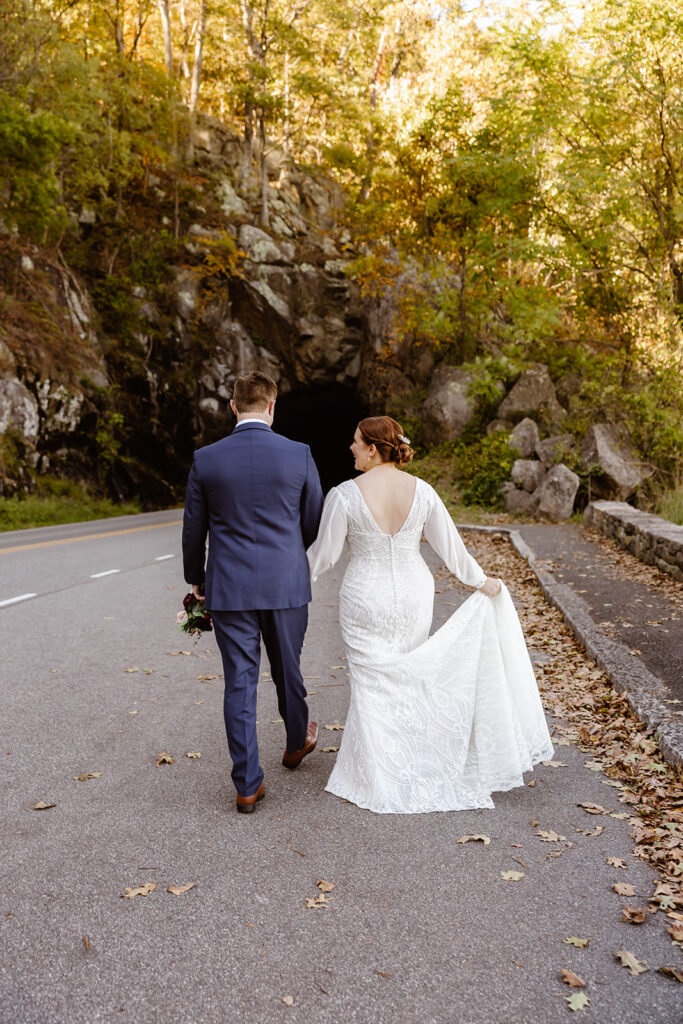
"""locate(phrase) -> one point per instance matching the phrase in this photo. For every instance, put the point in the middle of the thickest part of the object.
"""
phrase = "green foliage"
(481, 466)
(58, 501)
(671, 505)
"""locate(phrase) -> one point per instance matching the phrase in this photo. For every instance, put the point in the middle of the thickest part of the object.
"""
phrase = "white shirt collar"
(252, 419)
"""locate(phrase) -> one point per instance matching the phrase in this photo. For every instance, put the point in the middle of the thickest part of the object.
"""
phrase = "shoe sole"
(249, 808)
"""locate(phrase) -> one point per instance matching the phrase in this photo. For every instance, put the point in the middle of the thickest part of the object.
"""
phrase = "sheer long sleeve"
(441, 534)
(326, 550)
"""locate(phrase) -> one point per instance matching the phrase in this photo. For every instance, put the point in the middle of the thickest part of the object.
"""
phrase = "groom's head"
(254, 394)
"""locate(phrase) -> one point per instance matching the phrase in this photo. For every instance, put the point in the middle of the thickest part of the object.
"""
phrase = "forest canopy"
(518, 165)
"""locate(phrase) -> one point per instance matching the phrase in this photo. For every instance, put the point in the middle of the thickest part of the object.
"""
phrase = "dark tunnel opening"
(325, 418)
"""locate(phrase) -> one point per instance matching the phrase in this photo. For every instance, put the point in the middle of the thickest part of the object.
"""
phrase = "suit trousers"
(238, 634)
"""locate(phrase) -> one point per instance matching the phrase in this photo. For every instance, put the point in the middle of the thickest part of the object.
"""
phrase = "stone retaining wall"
(653, 540)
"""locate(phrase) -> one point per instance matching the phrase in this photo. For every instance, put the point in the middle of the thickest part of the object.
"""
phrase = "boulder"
(533, 393)
(555, 449)
(527, 474)
(496, 425)
(606, 447)
(517, 501)
(259, 246)
(18, 409)
(448, 407)
(524, 437)
(554, 497)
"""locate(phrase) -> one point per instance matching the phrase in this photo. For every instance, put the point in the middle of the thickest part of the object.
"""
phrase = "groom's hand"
(197, 591)
(491, 587)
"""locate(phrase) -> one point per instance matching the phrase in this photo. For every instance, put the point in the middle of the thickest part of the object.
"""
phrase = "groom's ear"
(271, 408)
(233, 406)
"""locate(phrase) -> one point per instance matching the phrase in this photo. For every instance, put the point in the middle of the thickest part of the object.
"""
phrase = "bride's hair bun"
(388, 437)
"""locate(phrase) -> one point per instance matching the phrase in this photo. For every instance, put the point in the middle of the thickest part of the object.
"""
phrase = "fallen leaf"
(531, 784)
(571, 979)
(621, 816)
(550, 837)
(288, 1000)
(148, 671)
(478, 838)
(623, 889)
(299, 852)
(86, 941)
(511, 876)
(136, 712)
(87, 775)
(384, 974)
(595, 766)
(554, 764)
(579, 943)
(336, 666)
(597, 831)
(164, 758)
(631, 962)
(671, 972)
(318, 902)
(40, 806)
(676, 932)
(133, 668)
(634, 915)
(193, 753)
(325, 886)
(594, 808)
(329, 750)
(140, 890)
(205, 679)
(615, 862)
(577, 1001)
(178, 890)
(335, 727)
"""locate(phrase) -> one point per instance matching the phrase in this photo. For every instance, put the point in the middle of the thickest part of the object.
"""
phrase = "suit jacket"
(258, 497)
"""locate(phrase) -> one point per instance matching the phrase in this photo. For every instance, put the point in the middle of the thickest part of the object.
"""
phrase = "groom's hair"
(254, 391)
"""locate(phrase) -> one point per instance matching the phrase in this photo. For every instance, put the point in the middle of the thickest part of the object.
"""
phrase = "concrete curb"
(644, 691)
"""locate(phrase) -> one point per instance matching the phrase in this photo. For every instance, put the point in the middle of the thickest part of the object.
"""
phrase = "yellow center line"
(88, 536)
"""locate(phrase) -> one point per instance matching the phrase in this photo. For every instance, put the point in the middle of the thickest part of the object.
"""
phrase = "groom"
(258, 497)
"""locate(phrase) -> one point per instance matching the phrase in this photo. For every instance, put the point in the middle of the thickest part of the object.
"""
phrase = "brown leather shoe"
(295, 759)
(245, 804)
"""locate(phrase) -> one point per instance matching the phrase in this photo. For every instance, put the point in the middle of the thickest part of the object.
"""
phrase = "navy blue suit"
(257, 496)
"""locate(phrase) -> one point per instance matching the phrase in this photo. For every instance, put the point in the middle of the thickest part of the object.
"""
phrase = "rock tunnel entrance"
(324, 417)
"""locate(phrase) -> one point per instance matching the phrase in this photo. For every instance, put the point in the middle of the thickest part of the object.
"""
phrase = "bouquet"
(195, 619)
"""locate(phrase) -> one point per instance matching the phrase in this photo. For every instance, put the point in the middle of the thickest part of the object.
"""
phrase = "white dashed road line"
(14, 600)
(162, 558)
(109, 572)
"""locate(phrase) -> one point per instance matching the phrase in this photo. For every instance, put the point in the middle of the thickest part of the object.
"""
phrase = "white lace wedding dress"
(434, 723)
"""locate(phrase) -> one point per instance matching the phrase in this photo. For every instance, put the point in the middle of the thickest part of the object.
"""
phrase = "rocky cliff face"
(127, 366)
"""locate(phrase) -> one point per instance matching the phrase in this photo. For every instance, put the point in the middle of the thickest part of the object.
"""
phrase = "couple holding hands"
(434, 722)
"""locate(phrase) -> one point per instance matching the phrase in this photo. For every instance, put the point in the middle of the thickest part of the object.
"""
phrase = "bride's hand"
(491, 587)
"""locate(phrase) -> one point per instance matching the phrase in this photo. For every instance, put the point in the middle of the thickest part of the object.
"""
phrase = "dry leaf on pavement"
(40, 806)
(511, 876)
(335, 727)
(205, 679)
(615, 862)
(140, 890)
(329, 750)
(288, 1000)
(623, 889)
(550, 836)
(594, 808)
(325, 886)
(87, 775)
(193, 753)
(577, 1001)
(634, 915)
(631, 962)
(676, 932)
(571, 979)
(477, 838)
(321, 902)
(133, 668)
(178, 890)
(164, 758)
(597, 831)
(579, 943)
(554, 764)
(384, 974)
(671, 972)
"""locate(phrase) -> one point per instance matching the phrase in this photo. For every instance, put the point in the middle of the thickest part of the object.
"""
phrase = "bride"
(434, 723)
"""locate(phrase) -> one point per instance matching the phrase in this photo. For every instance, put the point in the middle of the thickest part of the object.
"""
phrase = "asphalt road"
(419, 928)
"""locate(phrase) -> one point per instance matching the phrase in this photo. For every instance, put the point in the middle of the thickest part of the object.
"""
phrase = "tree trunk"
(265, 219)
(165, 12)
(198, 52)
(370, 144)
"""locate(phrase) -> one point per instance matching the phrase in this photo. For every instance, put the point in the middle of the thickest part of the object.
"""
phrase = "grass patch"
(58, 501)
(671, 505)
